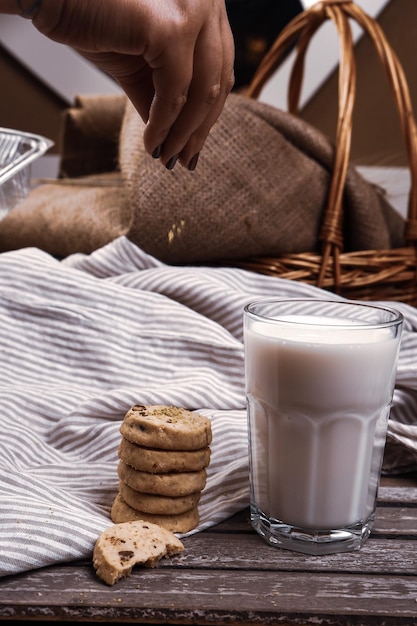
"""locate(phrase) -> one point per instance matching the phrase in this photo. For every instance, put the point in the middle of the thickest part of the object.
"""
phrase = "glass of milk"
(320, 378)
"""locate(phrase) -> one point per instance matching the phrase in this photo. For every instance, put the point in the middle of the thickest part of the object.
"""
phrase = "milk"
(318, 401)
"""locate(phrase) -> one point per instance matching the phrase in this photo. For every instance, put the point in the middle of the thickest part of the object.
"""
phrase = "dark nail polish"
(157, 152)
(171, 163)
(193, 162)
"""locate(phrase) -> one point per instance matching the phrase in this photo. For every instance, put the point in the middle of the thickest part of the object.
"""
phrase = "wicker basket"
(365, 275)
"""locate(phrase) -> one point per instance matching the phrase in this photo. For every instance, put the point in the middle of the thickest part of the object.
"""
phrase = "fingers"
(197, 139)
(187, 103)
(133, 75)
(171, 76)
(173, 59)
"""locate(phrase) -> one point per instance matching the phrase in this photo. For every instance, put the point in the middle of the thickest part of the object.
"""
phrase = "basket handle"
(300, 31)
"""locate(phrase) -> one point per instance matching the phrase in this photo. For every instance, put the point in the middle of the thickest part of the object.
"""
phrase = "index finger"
(171, 81)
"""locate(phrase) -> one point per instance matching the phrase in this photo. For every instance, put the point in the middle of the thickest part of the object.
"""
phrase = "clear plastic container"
(17, 151)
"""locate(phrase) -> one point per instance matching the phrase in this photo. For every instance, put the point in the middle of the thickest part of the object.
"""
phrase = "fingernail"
(170, 164)
(157, 152)
(193, 162)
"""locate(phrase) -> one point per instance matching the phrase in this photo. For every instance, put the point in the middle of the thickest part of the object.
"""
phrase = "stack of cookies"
(163, 455)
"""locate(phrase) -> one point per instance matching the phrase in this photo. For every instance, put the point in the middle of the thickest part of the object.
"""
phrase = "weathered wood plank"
(240, 522)
(377, 556)
(398, 495)
(399, 480)
(395, 521)
(250, 553)
(213, 597)
(392, 520)
(228, 575)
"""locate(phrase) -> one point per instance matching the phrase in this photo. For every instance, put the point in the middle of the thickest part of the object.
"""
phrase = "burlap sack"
(260, 188)
(87, 206)
(90, 135)
(71, 215)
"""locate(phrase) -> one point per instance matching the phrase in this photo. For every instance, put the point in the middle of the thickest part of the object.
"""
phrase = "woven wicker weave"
(369, 275)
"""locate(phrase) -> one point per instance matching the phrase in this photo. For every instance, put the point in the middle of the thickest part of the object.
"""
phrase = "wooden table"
(228, 575)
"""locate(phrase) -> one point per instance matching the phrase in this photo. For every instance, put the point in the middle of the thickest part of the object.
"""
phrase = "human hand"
(173, 58)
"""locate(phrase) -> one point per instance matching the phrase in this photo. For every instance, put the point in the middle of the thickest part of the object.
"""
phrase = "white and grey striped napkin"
(81, 341)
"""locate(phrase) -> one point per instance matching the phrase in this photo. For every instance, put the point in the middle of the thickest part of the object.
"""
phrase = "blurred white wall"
(59, 67)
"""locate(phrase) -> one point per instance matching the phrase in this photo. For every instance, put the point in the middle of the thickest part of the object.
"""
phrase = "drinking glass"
(320, 378)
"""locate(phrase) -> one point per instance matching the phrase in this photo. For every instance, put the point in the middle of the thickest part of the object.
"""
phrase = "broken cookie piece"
(122, 546)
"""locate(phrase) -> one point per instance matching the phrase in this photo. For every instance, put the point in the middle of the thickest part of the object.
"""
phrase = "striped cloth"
(81, 341)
